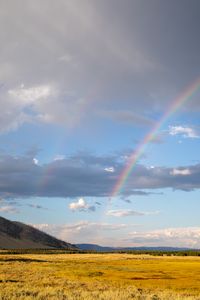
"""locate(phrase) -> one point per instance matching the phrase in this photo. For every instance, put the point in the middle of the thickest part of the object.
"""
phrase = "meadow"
(98, 276)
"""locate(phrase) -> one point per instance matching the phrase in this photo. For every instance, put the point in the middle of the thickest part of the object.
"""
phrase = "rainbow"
(175, 105)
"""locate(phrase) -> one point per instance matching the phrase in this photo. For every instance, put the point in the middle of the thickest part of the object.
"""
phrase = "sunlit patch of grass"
(99, 277)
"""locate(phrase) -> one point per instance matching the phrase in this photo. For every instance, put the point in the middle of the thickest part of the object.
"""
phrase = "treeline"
(38, 251)
(61, 251)
(164, 253)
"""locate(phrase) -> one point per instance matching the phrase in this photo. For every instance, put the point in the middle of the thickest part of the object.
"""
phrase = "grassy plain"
(98, 276)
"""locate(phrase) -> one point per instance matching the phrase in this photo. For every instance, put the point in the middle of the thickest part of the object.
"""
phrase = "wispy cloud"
(127, 213)
(9, 209)
(184, 131)
(37, 206)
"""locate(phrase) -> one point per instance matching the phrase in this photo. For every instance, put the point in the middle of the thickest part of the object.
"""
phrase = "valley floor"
(98, 276)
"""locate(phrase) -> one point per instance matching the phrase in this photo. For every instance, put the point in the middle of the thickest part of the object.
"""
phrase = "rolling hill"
(15, 235)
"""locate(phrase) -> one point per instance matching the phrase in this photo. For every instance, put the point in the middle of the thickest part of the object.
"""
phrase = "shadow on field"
(20, 259)
(9, 280)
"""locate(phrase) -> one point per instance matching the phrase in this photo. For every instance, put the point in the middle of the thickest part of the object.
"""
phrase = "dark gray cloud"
(61, 59)
(21, 177)
(11, 206)
(37, 206)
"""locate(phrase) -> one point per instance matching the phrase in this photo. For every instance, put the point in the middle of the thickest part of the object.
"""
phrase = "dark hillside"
(18, 235)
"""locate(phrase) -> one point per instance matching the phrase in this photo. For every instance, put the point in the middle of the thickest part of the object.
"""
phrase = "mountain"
(94, 247)
(98, 248)
(15, 235)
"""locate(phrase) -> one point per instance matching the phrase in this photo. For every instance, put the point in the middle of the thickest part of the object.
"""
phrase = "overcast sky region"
(82, 83)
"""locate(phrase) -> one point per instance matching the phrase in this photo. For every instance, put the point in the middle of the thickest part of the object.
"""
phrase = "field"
(98, 276)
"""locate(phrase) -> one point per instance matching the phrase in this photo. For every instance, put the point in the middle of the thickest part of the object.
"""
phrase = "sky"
(99, 136)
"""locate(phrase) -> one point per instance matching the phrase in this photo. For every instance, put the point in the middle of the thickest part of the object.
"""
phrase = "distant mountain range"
(15, 235)
(98, 248)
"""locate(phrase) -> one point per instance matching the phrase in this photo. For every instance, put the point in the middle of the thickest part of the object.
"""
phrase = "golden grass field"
(98, 276)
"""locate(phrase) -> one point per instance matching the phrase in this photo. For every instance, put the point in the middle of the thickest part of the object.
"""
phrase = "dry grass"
(99, 277)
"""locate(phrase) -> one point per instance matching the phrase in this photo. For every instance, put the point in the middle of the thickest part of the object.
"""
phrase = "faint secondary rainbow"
(175, 105)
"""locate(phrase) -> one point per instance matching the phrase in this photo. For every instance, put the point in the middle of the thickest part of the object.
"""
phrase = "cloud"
(10, 205)
(37, 206)
(19, 105)
(127, 213)
(174, 237)
(35, 160)
(30, 95)
(186, 132)
(126, 200)
(83, 175)
(59, 157)
(48, 74)
(81, 205)
(53, 84)
(83, 231)
(92, 233)
(9, 209)
(183, 172)
(109, 169)
(124, 213)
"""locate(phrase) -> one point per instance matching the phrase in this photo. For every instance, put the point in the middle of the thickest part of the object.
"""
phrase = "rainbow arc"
(176, 104)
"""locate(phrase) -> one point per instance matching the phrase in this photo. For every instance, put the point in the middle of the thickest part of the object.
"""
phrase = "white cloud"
(124, 213)
(59, 157)
(182, 172)
(19, 105)
(30, 95)
(48, 103)
(35, 161)
(98, 233)
(84, 231)
(174, 237)
(186, 132)
(81, 205)
(110, 169)
(9, 209)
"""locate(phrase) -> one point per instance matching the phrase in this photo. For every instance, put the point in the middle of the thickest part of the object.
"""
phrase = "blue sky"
(81, 84)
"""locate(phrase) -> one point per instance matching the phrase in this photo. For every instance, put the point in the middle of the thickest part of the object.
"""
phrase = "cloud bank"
(94, 233)
(84, 175)
(60, 59)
